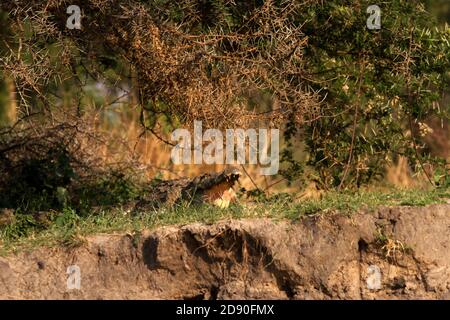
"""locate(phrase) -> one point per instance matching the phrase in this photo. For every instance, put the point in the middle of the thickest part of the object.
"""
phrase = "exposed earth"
(391, 253)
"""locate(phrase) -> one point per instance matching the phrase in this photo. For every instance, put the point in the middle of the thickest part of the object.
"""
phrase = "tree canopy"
(357, 98)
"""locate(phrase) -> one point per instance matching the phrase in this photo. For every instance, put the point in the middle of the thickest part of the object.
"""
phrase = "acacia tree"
(190, 60)
(357, 97)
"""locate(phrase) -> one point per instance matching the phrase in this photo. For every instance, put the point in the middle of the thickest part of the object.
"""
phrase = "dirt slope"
(322, 257)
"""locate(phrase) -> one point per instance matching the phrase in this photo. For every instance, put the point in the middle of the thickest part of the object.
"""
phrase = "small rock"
(373, 278)
(438, 278)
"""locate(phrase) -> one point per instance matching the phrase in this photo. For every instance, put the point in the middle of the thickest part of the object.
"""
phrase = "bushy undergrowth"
(46, 167)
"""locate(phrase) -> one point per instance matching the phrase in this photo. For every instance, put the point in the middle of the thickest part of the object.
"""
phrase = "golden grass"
(153, 157)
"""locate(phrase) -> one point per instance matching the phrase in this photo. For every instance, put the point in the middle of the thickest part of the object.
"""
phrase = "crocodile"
(215, 188)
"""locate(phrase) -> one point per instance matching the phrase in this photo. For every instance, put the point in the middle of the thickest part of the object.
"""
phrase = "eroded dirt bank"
(322, 257)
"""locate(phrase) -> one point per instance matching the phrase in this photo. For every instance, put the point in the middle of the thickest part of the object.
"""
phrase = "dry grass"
(154, 157)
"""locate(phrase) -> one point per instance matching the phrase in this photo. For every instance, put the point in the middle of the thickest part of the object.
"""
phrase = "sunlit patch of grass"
(69, 229)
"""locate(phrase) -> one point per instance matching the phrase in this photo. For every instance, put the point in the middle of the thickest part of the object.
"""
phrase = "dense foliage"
(377, 87)
(357, 98)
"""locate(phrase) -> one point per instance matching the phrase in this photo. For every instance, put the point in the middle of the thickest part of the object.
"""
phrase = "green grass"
(69, 229)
